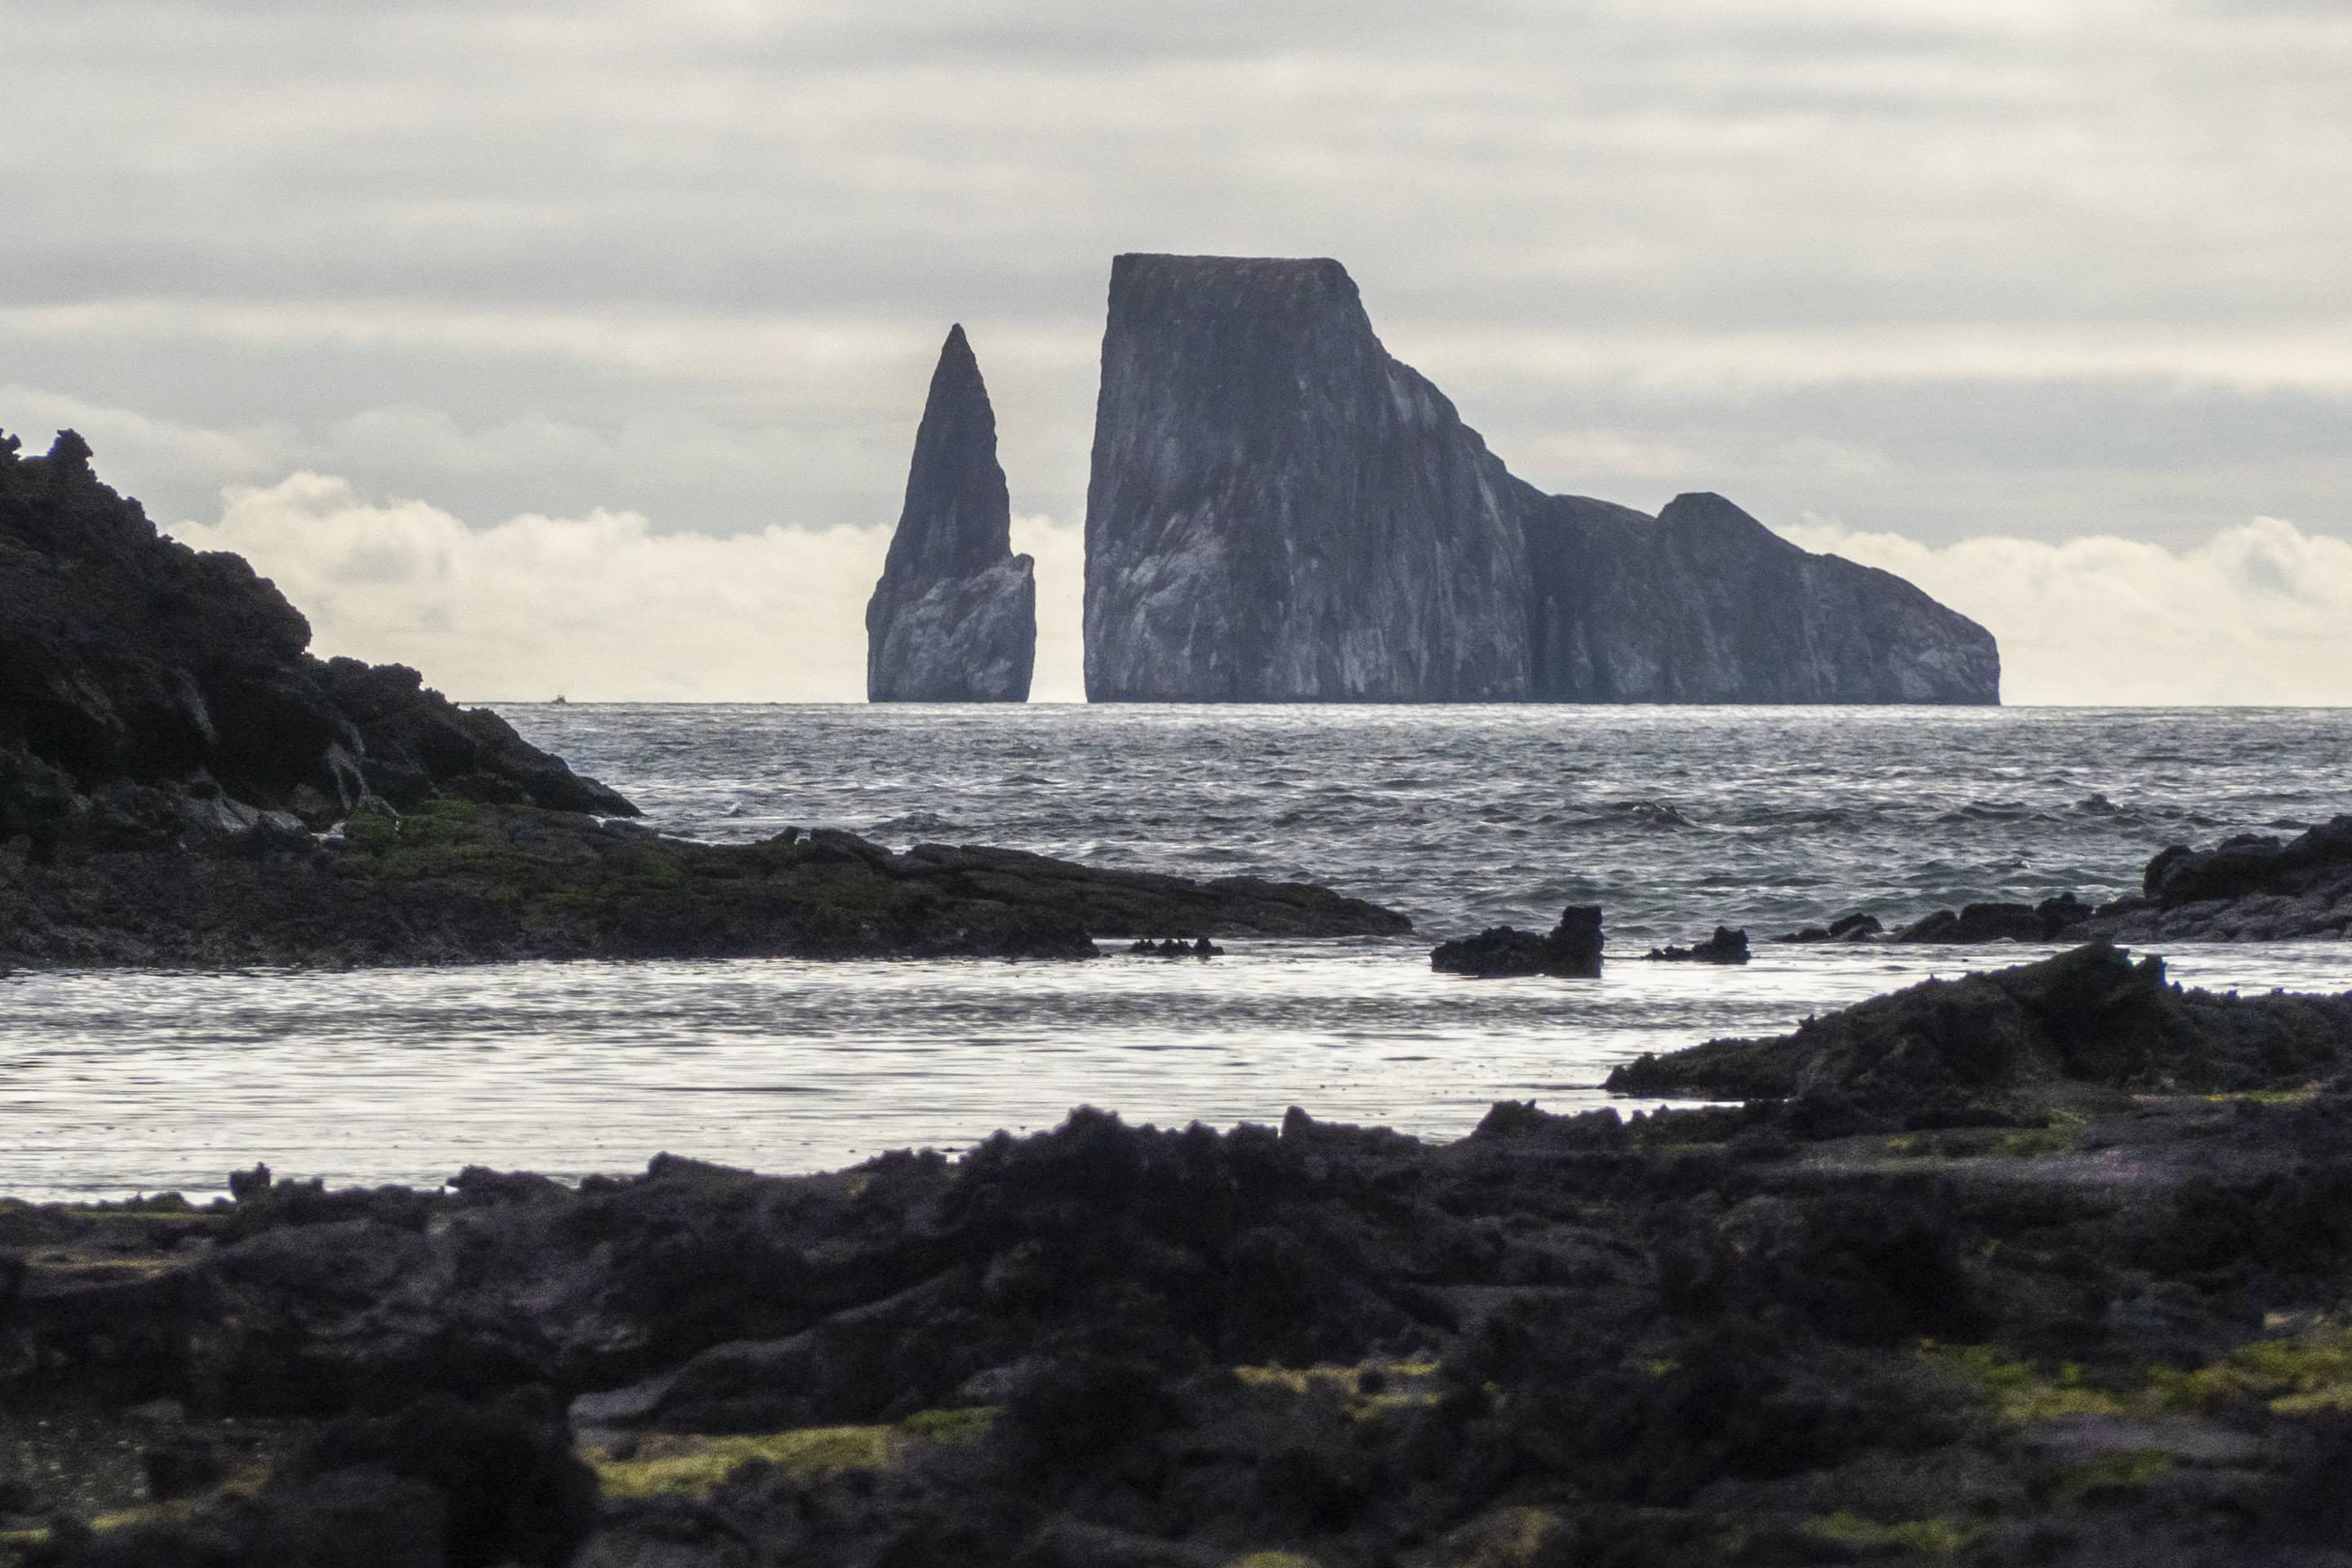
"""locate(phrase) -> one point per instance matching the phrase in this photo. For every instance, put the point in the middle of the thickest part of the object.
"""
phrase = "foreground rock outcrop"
(147, 689)
(1281, 511)
(2090, 1016)
(954, 618)
(2028, 1306)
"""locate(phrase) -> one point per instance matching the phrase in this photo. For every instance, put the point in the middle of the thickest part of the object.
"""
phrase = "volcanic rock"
(1571, 948)
(1706, 605)
(146, 689)
(2089, 1016)
(1725, 946)
(2252, 887)
(954, 618)
(1280, 511)
(2049, 920)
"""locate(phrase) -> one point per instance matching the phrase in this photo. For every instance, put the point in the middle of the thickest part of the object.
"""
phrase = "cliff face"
(1706, 605)
(1279, 511)
(168, 685)
(954, 618)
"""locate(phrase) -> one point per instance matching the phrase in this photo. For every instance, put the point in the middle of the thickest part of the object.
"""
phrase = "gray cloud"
(1944, 268)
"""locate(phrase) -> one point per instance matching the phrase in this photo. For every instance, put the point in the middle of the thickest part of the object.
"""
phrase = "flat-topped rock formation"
(954, 618)
(1281, 511)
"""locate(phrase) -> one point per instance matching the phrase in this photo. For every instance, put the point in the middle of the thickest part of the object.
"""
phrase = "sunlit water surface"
(111, 1083)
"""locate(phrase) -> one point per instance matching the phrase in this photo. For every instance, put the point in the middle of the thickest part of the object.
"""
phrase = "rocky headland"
(2042, 1266)
(1280, 511)
(183, 782)
(954, 618)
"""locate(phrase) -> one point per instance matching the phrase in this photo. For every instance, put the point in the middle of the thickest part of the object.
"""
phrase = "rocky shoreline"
(182, 783)
(2039, 1267)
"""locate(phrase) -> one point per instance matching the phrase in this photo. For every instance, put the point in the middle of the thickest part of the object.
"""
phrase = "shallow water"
(111, 1083)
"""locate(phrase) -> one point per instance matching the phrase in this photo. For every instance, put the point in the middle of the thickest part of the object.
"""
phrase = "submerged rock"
(954, 618)
(1571, 949)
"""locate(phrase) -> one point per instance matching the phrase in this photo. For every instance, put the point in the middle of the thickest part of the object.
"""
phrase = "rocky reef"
(954, 618)
(455, 881)
(2038, 1267)
(1279, 510)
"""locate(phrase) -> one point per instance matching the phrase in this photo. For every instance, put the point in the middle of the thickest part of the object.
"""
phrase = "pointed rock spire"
(954, 618)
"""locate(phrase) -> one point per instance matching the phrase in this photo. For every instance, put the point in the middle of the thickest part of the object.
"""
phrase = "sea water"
(1673, 819)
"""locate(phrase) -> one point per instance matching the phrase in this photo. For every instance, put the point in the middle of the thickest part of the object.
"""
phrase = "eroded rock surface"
(1281, 511)
(1704, 603)
(954, 618)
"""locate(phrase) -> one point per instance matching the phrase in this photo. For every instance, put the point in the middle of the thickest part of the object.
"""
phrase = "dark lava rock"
(453, 881)
(2253, 888)
(2090, 1016)
(954, 618)
(1762, 1335)
(1571, 948)
(1855, 927)
(1725, 946)
(1200, 947)
(146, 688)
(1281, 511)
(2049, 920)
(1706, 605)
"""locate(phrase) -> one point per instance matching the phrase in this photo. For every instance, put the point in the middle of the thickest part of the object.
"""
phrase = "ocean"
(1673, 819)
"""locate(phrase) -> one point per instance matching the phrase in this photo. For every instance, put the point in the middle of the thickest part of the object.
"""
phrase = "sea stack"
(1279, 511)
(954, 618)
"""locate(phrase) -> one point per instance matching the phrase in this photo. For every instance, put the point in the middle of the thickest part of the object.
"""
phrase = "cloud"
(596, 607)
(601, 606)
(2258, 614)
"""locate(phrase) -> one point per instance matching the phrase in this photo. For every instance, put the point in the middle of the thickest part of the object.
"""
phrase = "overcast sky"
(582, 348)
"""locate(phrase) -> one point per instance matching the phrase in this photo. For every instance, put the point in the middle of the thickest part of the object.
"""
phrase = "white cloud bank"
(602, 607)
(2258, 614)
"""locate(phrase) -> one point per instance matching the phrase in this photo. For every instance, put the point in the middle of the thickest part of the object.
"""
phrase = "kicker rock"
(1279, 511)
(1706, 605)
(954, 618)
